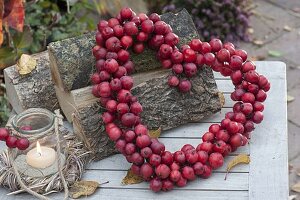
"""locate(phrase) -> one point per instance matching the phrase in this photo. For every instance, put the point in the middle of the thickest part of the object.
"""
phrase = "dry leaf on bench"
(83, 188)
(287, 28)
(241, 158)
(155, 133)
(290, 98)
(292, 197)
(258, 42)
(26, 64)
(131, 178)
(222, 98)
(296, 187)
(274, 53)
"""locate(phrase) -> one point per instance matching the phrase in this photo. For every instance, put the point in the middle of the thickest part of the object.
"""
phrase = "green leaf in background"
(274, 53)
(23, 39)
(7, 57)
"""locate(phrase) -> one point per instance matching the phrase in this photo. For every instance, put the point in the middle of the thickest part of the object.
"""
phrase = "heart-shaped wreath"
(112, 84)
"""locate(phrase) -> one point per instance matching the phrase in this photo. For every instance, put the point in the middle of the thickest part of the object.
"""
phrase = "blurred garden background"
(266, 29)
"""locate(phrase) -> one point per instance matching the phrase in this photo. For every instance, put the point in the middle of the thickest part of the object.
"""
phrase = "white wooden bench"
(265, 178)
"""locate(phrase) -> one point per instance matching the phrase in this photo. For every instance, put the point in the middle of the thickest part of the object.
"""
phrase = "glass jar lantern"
(40, 159)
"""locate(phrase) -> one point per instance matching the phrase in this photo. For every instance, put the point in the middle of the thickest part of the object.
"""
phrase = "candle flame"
(38, 148)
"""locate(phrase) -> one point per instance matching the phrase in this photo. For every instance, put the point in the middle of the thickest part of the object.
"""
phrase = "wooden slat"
(269, 153)
(141, 194)
(118, 162)
(235, 181)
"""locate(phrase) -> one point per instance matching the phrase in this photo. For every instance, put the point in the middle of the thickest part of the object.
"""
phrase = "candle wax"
(43, 159)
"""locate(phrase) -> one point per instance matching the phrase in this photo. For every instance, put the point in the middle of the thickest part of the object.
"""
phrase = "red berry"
(241, 53)
(187, 147)
(107, 32)
(166, 64)
(143, 16)
(104, 89)
(224, 123)
(146, 152)
(248, 98)
(157, 147)
(200, 61)
(258, 106)
(115, 84)
(261, 96)
(179, 157)
(208, 137)
(126, 13)
(252, 76)
(138, 48)
(257, 117)
(111, 106)
(130, 148)
(137, 158)
(236, 140)
(120, 145)
(177, 57)
(198, 168)
(160, 27)
(107, 117)
(162, 171)
(216, 45)
(240, 117)
(129, 66)
(4, 134)
(128, 119)
(130, 28)
(141, 130)
(22, 143)
(196, 45)
(185, 86)
(177, 68)
(175, 166)
(167, 158)
(207, 172)
(236, 77)
(155, 185)
(102, 24)
(124, 96)
(216, 160)
(214, 128)
(202, 156)
(127, 82)
(146, 171)
(104, 76)
(190, 69)
(175, 175)
(11, 142)
(205, 146)
(135, 169)
(188, 173)
(154, 17)
(206, 48)
(126, 41)
(249, 126)
(155, 160)
(182, 182)
(142, 37)
(143, 141)
(233, 127)
(191, 156)
(219, 146)
(235, 62)
(171, 39)
(247, 66)
(246, 108)
(223, 55)
(222, 135)
(165, 51)
(156, 41)
(118, 31)
(189, 55)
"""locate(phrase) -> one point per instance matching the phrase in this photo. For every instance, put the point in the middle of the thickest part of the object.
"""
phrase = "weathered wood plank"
(269, 153)
(142, 194)
(236, 181)
(118, 162)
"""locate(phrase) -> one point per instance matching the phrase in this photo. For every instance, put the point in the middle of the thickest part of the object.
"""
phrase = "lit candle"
(41, 157)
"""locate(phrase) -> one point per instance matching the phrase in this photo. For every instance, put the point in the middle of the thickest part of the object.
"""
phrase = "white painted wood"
(235, 181)
(118, 162)
(268, 177)
(268, 172)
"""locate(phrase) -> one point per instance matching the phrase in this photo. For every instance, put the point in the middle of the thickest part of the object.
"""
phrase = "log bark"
(164, 106)
(32, 90)
(72, 61)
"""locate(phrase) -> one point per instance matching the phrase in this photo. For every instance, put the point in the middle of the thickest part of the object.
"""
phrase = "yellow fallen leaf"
(222, 98)
(241, 158)
(258, 42)
(155, 133)
(83, 188)
(287, 28)
(290, 98)
(131, 178)
(26, 64)
(296, 187)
